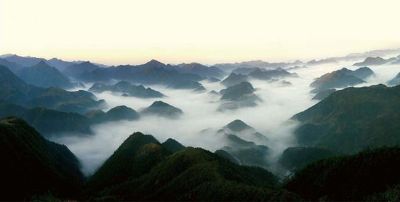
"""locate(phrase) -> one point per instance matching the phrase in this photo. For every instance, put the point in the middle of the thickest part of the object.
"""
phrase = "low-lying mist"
(271, 117)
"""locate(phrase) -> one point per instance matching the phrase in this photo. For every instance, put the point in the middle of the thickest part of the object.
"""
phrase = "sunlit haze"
(207, 31)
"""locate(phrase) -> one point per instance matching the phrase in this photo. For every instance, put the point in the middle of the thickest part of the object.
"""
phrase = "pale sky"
(208, 31)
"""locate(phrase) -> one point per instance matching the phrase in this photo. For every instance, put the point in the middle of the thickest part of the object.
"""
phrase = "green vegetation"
(195, 174)
(367, 175)
(352, 119)
(295, 158)
(34, 166)
(172, 145)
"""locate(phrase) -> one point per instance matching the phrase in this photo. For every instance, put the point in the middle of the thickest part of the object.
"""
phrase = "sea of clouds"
(271, 117)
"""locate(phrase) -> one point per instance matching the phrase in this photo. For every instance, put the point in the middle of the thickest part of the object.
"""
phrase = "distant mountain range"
(127, 89)
(14, 90)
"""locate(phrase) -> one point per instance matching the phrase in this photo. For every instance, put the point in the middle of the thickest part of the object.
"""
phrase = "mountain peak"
(42, 63)
(238, 125)
(154, 62)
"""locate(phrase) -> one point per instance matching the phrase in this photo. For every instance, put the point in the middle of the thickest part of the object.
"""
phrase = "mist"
(271, 117)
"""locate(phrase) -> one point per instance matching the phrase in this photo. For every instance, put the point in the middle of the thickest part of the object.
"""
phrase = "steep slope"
(194, 174)
(295, 158)
(234, 79)
(340, 79)
(48, 122)
(162, 109)
(371, 61)
(44, 75)
(32, 165)
(244, 144)
(350, 178)
(135, 157)
(238, 96)
(352, 119)
(77, 70)
(395, 81)
(172, 145)
(14, 90)
(14, 67)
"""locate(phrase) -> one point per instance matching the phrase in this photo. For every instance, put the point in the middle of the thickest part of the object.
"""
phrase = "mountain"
(201, 70)
(323, 61)
(371, 61)
(245, 70)
(240, 143)
(323, 94)
(162, 109)
(76, 70)
(172, 145)
(135, 157)
(241, 129)
(52, 123)
(33, 166)
(12, 66)
(117, 113)
(228, 67)
(395, 81)
(362, 72)
(225, 155)
(48, 122)
(368, 176)
(238, 96)
(341, 78)
(43, 75)
(152, 72)
(127, 89)
(234, 79)
(25, 61)
(352, 119)
(61, 65)
(76, 101)
(278, 73)
(296, 158)
(147, 173)
(246, 152)
(14, 90)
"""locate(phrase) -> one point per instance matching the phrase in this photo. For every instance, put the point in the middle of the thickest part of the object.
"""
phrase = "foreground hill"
(295, 158)
(32, 165)
(367, 176)
(352, 119)
(149, 172)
